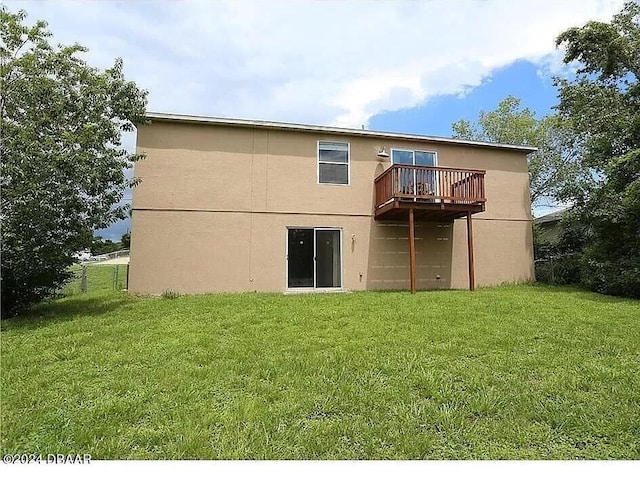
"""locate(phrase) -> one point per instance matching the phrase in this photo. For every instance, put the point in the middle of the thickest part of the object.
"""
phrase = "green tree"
(125, 240)
(62, 158)
(602, 103)
(100, 246)
(555, 169)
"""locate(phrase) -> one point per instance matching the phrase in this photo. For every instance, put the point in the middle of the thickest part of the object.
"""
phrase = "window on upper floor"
(333, 163)
(416, 181)
(413, 157)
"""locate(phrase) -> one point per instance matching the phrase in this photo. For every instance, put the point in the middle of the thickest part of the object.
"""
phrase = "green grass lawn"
(510, 372)
(100, 279)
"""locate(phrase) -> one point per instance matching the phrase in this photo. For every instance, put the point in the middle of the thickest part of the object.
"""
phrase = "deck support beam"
(472, 280)
(412, 252)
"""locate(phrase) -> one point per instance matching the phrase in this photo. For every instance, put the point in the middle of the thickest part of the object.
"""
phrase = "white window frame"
(435, 163)
(413, 151)
(348, 164)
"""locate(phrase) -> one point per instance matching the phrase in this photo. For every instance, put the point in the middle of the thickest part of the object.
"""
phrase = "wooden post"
(472, 280)
(83, 280)
(412, 252)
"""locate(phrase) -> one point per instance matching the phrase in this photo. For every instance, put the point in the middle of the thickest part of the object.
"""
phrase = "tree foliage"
(100, 246)
(603, 104)
(554, 170)
(125, 240)
(62, 159)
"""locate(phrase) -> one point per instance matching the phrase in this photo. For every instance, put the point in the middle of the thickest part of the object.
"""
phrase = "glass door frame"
(315, 261)
(413, 164)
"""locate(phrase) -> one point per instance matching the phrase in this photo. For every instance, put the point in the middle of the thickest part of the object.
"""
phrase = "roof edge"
(552, 216)
(180, 118)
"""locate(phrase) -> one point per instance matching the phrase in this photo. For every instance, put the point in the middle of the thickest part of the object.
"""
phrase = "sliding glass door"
(328, 259)
(300, 255)
(314, 258)
(415, 182)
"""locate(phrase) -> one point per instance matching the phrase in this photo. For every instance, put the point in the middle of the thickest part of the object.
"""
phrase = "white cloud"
(336, 63)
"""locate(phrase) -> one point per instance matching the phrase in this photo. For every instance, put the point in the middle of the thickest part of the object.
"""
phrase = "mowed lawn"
(519, 372)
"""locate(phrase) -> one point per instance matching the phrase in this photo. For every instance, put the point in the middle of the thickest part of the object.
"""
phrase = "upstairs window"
(413, 157)
(333, 163)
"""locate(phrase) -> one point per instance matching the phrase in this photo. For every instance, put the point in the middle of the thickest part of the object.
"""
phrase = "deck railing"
(430, 184)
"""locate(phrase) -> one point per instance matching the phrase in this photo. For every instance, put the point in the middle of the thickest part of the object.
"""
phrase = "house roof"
(551, 217)
(298, 127)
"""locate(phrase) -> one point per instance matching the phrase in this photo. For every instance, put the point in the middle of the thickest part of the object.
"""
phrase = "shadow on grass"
(65, 309)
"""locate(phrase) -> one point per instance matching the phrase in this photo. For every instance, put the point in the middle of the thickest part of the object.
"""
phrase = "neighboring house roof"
(551, 217)
(177, 118)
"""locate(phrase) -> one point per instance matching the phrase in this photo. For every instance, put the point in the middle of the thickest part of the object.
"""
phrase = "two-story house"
(235, 205)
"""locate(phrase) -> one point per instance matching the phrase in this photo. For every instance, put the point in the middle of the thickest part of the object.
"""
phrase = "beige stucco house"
(233, 205)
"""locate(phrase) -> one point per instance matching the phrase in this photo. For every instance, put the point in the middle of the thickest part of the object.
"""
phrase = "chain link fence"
(97, 278)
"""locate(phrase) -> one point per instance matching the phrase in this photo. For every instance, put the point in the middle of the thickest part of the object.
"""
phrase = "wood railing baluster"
(429, 184)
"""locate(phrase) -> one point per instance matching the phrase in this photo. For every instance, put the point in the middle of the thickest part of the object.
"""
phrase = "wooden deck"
(438, 193)
(406, 192)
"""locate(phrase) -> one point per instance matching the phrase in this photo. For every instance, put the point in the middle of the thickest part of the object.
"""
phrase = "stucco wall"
(214, 204)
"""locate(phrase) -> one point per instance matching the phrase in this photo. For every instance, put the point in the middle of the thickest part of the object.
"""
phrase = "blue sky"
(403, 66)
(521, 79)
